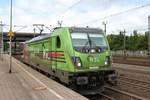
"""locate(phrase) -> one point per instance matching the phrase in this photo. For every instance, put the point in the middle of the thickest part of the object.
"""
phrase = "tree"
(135, 41)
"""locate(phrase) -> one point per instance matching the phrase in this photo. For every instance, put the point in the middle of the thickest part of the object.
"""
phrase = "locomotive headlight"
(92, 50)
(107, 61)
(79, 64)
(99, 50)
(77, 61)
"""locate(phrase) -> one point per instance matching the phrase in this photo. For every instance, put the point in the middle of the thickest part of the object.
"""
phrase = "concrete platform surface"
(24, 83)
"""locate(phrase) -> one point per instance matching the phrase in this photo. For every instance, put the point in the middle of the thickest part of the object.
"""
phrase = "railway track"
(135, 82)
(134, 79)
(122, 95)
(112, 93)
(142, 61)
(133, 73)
(106, 97)
(137, 87)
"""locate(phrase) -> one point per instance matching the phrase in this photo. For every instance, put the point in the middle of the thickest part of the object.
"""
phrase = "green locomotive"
(78, 57)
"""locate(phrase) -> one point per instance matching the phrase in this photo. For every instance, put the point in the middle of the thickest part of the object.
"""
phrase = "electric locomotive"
(79, 57)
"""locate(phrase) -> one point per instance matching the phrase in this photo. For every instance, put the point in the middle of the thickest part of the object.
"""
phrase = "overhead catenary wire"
(116, 14)
(69, 8)
(60, 14)
(96, 20)
(14, 26)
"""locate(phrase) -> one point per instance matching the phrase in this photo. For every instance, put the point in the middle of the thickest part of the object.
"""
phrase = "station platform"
(24, 83)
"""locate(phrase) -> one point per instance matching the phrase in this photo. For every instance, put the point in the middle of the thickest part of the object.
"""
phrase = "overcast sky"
(82, 13)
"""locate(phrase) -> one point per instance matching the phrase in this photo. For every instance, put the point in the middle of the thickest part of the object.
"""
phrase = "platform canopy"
(21, 36)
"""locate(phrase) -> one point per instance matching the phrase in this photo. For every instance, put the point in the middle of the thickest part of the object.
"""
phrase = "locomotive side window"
(58, 42)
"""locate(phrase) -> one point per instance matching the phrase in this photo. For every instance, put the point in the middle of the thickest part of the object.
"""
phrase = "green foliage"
(133, 42)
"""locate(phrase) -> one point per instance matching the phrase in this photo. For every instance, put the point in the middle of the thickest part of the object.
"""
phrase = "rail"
(135, 82)
(108, 97)
(132, 96)
(132, 60)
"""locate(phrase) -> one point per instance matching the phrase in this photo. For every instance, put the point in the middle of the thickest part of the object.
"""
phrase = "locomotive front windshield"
(90, 39)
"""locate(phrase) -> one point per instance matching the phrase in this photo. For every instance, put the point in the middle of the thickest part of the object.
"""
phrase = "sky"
(79, 13)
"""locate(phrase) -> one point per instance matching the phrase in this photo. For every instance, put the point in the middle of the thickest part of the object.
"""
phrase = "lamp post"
(10, 34)
(124, 43)
(105, 23)
(148, 34)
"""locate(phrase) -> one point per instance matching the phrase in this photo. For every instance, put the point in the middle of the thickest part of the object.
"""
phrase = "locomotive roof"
(72, 29)
(86, 30)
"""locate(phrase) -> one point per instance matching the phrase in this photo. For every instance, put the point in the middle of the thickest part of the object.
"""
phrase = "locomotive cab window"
(58, 42)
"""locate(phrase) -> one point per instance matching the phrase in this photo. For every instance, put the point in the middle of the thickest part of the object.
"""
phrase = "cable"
(22, 27)
(115, 14)
(65, 11)
(69, 8)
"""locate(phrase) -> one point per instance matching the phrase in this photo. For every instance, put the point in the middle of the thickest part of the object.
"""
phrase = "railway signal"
(10, 34)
